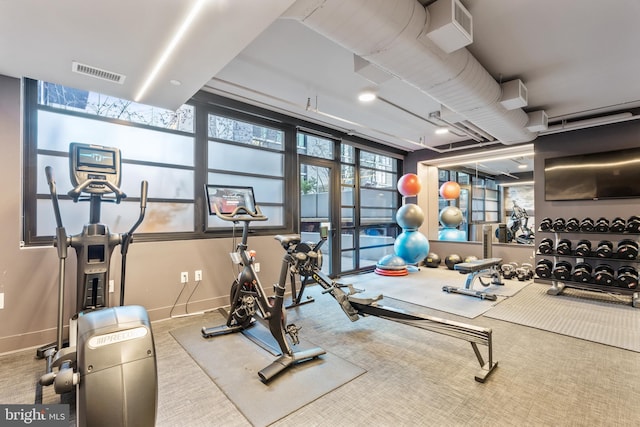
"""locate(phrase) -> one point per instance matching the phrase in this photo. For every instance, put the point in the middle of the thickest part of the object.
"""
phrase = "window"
(248, 154)
(211, 140)
(379, 199)
(156, 145)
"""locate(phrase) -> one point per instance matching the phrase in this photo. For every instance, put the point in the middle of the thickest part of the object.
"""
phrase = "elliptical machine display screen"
(228, 198)
(94, 162)
(96, 158)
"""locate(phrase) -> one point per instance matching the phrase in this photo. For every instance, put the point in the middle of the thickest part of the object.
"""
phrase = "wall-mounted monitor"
(594, 176)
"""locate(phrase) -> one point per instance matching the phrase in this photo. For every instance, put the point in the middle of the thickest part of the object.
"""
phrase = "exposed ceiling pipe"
(389, 34)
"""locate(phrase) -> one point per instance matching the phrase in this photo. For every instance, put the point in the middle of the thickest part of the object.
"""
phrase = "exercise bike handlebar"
(242, 214)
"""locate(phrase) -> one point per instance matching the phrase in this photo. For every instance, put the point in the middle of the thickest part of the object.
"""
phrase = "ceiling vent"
(370, 71)
(514, 95)
(450, 25)
(538, 121)
(97, 73)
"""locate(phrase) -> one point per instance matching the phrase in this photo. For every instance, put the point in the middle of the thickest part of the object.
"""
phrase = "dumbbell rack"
(558, 286)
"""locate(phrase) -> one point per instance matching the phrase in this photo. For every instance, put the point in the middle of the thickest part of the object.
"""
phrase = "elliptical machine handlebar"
(77, 192)
(128, 237)
(241, 214)
(54, 194)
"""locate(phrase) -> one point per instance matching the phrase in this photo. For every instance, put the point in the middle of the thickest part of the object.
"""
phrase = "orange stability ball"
(409, 185)
(450, 190)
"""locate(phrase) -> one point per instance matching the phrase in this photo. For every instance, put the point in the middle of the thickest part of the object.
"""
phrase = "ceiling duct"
(390, 34)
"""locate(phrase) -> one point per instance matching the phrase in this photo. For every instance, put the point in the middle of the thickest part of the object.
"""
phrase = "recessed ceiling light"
(442, 131)
(175, 82)
(522, 166)
(367, 96)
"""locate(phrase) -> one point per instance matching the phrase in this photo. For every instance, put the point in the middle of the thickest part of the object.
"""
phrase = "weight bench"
(476, 270)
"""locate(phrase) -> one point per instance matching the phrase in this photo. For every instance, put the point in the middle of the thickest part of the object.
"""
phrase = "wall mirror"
(496, 189)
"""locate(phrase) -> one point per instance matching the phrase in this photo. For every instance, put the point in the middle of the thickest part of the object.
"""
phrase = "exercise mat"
(233, 361)
(424, 287)
(592, 316)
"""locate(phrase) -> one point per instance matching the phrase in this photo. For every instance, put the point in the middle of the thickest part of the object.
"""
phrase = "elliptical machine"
(247, 296)
(110, 359)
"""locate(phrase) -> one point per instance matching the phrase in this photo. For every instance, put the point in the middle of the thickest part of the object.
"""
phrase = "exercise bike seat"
(288, 240)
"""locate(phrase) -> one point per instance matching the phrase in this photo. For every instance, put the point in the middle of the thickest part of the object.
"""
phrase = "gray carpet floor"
(413, 377)
(602, 318)
(424, 287)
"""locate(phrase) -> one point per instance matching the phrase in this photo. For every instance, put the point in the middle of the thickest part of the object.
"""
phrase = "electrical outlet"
(1, 300)
(184, 277)
(197, 275)
(256, 266)
(111, 285)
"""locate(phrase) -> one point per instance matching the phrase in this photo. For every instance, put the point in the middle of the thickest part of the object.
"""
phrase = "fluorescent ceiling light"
(486, 156)
(170, 47)
(442, 131)
(515, 183)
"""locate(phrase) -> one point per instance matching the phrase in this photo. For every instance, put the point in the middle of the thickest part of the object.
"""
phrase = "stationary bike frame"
(249, 300)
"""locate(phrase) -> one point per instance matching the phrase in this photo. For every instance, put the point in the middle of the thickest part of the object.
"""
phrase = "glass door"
(316, 210)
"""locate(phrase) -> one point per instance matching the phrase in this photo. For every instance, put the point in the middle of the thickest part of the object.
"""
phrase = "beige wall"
(28, 276)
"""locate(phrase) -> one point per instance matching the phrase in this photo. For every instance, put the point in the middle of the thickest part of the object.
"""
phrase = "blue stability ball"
(391, 262)
(412, 246)
(451, 216)
(452, 235)
(410, 216)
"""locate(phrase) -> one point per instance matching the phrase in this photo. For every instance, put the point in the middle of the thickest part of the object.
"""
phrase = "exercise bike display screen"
(228, 198)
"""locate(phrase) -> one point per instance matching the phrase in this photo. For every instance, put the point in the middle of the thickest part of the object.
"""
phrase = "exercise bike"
(248, 299)
(109, 357)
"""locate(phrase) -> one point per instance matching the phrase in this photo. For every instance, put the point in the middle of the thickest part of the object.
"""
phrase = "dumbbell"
(587, 225)
(508, 270)
(604, 249)
(603, 275)
(583, 248)
(602, 225)
(562, 270)
(627, 277)
(546, 246)
(543, 269)
(627, 249)
(633, 225)
(524, 272)
(617, 225)
(564, 247)
(582, 273)
(559, 224)
(545, 224)
(572, 224)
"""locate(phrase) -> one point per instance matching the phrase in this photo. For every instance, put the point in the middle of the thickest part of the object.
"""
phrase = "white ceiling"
(577, 58)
